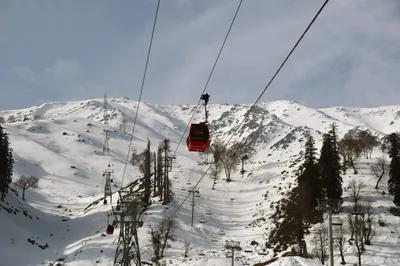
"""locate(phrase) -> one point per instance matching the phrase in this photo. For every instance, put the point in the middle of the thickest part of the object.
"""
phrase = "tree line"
(7, 169)
(155, 167)
(226, 158)
(321, 178)
(6, 163)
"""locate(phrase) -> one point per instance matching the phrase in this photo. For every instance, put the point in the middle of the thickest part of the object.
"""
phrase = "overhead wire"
(258, 99)
(209, 77)
(141, 91)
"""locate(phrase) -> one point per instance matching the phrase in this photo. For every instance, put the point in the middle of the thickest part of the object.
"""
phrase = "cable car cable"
(259, 97)
(209, 77)
(141, 91)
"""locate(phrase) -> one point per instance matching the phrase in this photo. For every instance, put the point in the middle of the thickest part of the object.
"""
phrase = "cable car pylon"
(205, 97)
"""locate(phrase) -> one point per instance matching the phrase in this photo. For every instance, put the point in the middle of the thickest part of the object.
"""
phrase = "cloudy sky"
(78, 49)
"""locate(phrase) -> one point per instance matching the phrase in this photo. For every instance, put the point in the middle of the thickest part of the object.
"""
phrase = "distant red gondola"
(199, 137)
(199, 134)
(110, 229)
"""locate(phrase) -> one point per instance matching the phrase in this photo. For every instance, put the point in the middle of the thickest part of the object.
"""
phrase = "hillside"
(61, 143)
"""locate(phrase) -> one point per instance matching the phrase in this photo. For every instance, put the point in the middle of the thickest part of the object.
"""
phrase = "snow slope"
(61, 143)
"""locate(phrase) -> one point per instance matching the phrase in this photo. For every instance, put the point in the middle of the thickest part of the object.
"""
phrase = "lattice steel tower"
(107, 187)
(128, 216)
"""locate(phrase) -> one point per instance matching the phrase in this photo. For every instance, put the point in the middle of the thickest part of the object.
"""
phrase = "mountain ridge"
(69, 137)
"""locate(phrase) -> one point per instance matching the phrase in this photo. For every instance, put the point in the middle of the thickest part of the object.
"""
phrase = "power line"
(209, 77)
(141, 91)
(259, 97)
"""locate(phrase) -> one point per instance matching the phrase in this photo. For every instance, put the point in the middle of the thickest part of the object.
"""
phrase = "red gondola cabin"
(110, 229)
(199, 137)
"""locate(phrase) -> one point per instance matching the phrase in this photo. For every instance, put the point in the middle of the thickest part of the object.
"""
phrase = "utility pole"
(107, 187)
(233, 245)
(124, 121)
(244, 157)
(106, 147)
(302, 242)
(191, 190)
(358, 212)
(339, 224)
(192, 207)
(128, 217)
(330, 205)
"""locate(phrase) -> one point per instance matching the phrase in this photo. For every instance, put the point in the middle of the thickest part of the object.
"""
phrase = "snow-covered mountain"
(61, 143)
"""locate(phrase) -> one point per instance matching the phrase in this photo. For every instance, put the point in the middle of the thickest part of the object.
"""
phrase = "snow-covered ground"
(63, 147)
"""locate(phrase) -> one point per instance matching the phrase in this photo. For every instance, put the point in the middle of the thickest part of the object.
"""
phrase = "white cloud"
(351, 53)
(64, 70)
(350, 56)
(347, 57)
(67, 78)
(24, 72)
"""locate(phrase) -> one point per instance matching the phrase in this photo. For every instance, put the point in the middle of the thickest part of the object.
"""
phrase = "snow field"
(70, 169)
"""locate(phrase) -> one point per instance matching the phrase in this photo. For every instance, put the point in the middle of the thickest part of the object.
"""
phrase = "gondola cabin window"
(199, 132)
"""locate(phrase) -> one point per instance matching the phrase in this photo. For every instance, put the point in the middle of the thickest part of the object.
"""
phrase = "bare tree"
(2, 120)
(204, 155)
(169, 232)
(321, 244)
(358, 242)
(218, 150)
(340, 240)
(187, 248)
(385, 145)
(160, 235)
(138, 160)
(215, 172)
(232, 158)
(368, 224)
(379, 169)
(156, 237)
(27, 182)
(229, 157)
(350, 147)
(369, 142)
(355, 190)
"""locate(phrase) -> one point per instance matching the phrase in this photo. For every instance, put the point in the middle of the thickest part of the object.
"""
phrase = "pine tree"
(330, 167)
(147, 173)
(155, 184)
(309, 180)
(3, 162)
(6, 163)
(293, 216)
(160, 172)
(143, 162)
(394, 169)
(298, 210)
(166, 147)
